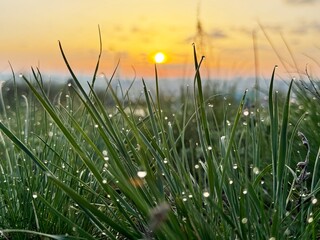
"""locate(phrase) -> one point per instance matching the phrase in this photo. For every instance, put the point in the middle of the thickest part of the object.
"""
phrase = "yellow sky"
(134, 30)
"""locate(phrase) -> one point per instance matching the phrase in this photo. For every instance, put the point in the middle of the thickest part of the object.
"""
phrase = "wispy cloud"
(213, 34)
(305, 27)
(218, 34)
(300, 1)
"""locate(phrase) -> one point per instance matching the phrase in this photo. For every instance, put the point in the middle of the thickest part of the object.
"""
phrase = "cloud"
(218, 34)
(305, 27)
(300, 1)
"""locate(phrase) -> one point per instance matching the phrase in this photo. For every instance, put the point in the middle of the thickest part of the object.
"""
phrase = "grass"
(194, 168)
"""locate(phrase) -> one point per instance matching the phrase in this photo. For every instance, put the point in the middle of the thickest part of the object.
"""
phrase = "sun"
(159, 57)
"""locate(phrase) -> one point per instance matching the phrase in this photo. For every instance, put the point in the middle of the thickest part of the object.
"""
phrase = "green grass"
(195, 167)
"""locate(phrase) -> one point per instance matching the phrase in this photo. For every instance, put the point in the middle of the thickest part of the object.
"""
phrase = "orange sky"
(134, 30)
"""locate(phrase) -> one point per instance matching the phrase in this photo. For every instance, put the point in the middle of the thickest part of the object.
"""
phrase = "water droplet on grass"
(244, 220)
(34, 195)
(206, 194)
(142, 174)
(256, 170)
(235, 166)
(245, 191)
(310, 219)
(314, 201)
(104, 181)
(246, 112)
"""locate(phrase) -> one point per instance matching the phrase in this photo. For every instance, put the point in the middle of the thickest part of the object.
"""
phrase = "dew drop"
(314, 201)
(246, 112)
(104, 181)
(184, 199)
(196, 166)
(209, 148)
(230, 181)
(245, 191)
(256, 170)
(34, 195)
(206, 194)
(142, 174)
(310, 219)
(244, 220)
(235, 166)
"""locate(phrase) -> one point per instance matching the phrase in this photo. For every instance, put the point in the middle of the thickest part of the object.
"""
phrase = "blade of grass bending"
(98, 61)
(274, 133)
(283, 149)
(157, 91)
(200, 101)
(232, 135)
(315, 172)
(151, 112)
(281, 59)
(79, 86)
(202, 122)
(98, 216)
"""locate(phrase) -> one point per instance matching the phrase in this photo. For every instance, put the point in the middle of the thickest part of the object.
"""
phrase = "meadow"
(97, 164)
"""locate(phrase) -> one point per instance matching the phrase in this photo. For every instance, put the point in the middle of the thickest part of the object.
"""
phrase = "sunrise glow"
(221, 30)
(159, 57)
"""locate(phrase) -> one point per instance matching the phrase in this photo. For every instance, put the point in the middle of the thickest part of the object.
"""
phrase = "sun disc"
(159, 57)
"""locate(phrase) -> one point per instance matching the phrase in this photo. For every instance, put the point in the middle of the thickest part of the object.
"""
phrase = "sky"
(133, 31)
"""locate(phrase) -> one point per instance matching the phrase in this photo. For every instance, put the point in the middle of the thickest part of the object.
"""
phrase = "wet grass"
(201, 166)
